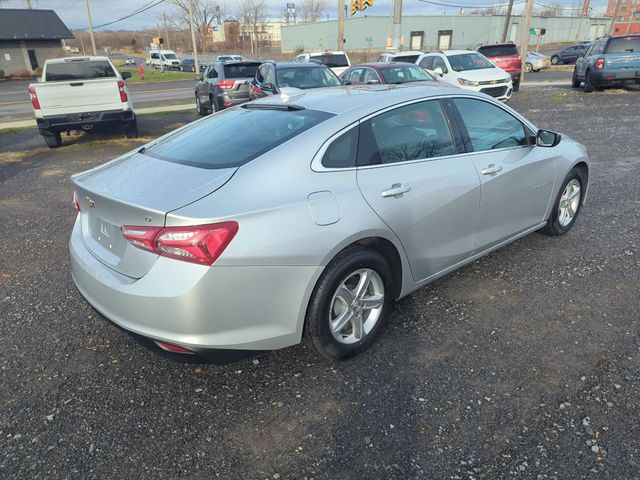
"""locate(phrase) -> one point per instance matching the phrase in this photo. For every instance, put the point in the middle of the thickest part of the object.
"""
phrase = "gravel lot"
(524, 364)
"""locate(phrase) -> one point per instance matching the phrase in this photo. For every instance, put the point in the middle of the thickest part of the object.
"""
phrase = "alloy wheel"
(569, 203)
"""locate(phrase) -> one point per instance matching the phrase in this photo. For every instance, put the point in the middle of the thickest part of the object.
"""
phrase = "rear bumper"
(224, 100)
(515, 76)
(605, 78)
(241, 309)
(75, 121)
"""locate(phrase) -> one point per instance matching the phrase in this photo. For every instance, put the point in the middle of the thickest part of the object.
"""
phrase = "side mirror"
(126, 75)
(547, 138)
(438, 71)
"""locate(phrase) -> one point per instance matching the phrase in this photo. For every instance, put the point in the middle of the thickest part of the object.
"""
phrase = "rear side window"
(235, 137)
(332, 60)
(489, 126)
(342, 152)
(240, 70)
(623, 44)
(498, 50)
(78, 71)
(412, 132)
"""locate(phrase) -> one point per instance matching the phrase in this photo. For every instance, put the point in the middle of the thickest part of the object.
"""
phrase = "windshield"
(332, 60)
(306, 77)
(240, 70)
(623, 44)
(78, 71)
(234, 137)
(498, 50)
(469, 61)
(406, 58)
(404, 74)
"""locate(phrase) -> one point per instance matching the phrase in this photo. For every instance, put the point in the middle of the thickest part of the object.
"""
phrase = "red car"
(506, 57)
(376, 73)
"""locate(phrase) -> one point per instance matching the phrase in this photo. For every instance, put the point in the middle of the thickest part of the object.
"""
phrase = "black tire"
(318, 313)
(536, 70)
(132, 130)
(588, 83)
(214, 107)
(528, 67)
(53, 140)
(555, 60)
(575, 83)
(553, 225)
(202, 110)
(516, 86)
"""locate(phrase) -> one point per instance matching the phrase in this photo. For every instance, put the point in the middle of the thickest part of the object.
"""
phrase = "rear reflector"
(174, 348)
(34, 98)
(201, 244)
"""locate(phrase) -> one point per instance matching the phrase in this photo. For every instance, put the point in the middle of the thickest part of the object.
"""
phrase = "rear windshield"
(306, 77)
(235, 137)
(623, 44)
(332, 60)
(404, 74)
(241, 70)
(406, 58)
(78, 71)
(498, 50)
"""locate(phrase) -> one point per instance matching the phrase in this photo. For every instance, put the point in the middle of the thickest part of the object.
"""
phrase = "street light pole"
(340, 25)
(93, 40)
(397, 24)
(524, 44)
(193, 39)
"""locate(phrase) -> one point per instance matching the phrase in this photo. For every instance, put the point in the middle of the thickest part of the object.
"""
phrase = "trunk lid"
(241, 73)
(623, 62)
(136, 190)
(60, 98)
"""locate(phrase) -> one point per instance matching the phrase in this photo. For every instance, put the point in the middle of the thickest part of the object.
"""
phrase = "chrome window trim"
(316, 162)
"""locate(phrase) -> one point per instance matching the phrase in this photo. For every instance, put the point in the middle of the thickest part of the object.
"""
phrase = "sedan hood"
(485, 74)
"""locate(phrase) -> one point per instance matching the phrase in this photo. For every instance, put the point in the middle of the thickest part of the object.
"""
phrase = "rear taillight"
(256, 90)
(34, 98)
(226, 83)
(600, 63)
(75, 201)
(123, 93)
(201, 244)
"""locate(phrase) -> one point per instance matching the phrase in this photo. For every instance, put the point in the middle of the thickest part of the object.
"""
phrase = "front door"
(517, 178)
(410, 173)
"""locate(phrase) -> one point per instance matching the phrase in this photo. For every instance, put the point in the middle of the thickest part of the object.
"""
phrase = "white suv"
(336, 61)
(469, 70)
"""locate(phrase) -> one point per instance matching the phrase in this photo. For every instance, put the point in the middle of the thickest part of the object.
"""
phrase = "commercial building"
(627, 16)
(28, 37)
(431, 32)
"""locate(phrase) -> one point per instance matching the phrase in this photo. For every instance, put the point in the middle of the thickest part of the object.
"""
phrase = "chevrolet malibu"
(331, 204)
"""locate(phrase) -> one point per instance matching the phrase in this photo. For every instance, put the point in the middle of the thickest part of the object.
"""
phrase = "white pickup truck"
(80, 93)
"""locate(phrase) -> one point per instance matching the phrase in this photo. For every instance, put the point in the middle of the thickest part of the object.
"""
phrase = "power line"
(144, 8)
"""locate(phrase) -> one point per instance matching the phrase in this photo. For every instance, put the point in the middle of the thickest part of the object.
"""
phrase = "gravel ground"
(524, 364)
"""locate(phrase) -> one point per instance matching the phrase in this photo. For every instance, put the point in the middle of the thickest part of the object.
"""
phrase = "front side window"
(489, 126)
(412, 132)
(439, 62)
(342, 152)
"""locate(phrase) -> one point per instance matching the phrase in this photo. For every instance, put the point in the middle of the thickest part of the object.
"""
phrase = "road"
(524, 364)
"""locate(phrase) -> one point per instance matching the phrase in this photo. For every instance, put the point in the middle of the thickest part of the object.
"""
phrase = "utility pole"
(93, 40)
(525, 34)
(614, 16)
(29, 6)
(193, 39)
(585, 9)
(166, 32)
(340, 25)
(507, 21)
(397, 24)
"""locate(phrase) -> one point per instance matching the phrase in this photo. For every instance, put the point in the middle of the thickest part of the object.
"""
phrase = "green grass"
(152, 76)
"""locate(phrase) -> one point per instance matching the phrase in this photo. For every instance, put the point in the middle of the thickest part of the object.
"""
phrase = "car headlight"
(471, 83)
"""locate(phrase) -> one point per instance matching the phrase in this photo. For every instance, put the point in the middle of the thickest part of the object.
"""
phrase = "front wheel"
(567, 205)
(575, 83)
(555, 60)
(528, 67)
(516, 86)
(350, 303)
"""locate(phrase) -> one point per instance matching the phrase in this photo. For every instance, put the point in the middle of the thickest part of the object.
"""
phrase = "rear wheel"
(350, 303)
(575, 83)
(588, 83)
(53, 140)
(567, 205)
(516, 85)
(528, 67)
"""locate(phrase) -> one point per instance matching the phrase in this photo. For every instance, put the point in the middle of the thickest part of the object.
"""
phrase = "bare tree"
(552, 10)
(253, 16)
(311, 10)
(205, 14)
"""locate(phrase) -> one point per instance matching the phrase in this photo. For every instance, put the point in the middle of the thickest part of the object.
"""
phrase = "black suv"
(224, 84)
(272, 77)
(570, 54)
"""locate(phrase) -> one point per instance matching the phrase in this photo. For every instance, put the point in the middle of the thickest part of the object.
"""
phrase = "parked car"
(163, 60)
(385, 73)
(230, 58)
(535, 62)
(410, 56)
(80, 93)
(469, 70)
(130, 61)
(273, 78)
(327, 208)
(224, 84)
(386, 57)
(189, 65)
(507, 57)
(611, 61)
(570, 54)
(336, 61)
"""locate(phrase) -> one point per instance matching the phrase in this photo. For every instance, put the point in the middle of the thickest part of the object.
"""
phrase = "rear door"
(237, 78)
(411, 173)
(517, 177)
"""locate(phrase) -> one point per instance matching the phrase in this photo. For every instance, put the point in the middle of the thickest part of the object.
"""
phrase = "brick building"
(627, 16)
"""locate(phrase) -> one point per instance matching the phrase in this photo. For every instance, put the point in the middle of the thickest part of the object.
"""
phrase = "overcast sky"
(73, 13)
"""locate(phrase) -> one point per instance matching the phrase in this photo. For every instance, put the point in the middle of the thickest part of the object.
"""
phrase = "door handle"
(491, 169)
(396, 190)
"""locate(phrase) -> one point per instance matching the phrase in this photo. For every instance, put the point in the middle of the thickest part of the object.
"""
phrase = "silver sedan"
(311, 214)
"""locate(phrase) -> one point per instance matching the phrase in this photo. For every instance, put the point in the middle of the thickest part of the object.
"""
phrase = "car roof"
(384, 64)
(407, 53)
(336, 52)
(298, 65)
(505, 44)
(451, 52)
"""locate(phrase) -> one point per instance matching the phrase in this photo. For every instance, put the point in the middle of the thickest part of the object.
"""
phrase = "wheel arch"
(583, 168)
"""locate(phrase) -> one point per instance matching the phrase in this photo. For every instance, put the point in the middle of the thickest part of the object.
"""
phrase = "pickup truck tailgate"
(60, 98)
